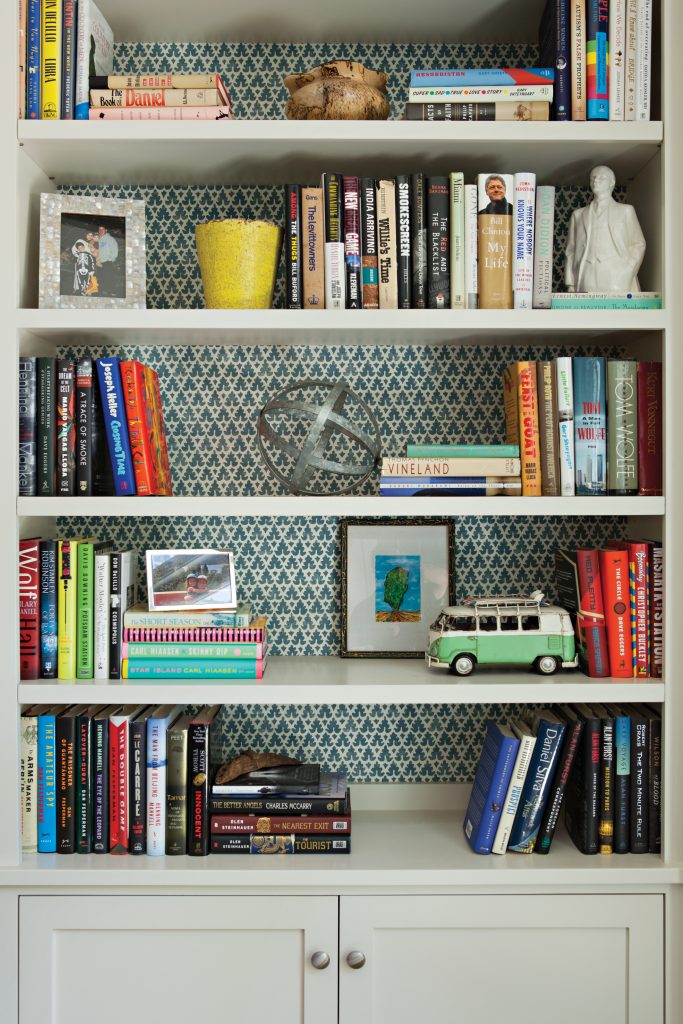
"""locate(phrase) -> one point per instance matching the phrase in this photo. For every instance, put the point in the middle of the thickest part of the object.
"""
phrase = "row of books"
(412, 242)
(163, 96)
(480, 94)
(91, 427)
(602, 56)
(586, 425)
(616, 599)
(461, 469)
(602, 763)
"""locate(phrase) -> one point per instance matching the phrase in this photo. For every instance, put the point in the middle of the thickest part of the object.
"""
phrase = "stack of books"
(290, 809)
(194, 644)
(462, 469)
(91, 427)
(480, 94)
(602, 763)
(159, 97)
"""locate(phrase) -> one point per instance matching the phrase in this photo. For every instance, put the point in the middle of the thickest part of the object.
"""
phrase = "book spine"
(65, 734)
(84, 785)
(33, 61)
(101, 602)
(50, 60)
(606, 819)
(614, 575)
(542, 770)
(67, 572)
(118, 784)
(617, 53)
(471, 247)
(226, 824)
(115, 614)
(155, 98)
(133, 381)
(489, 790)
(494, 226)
(529, 436)
(457, 240)
(218, 619)
(462, 451)
(514, 793)
(84, 386)
(103, 478)
(446, 468)
(386, 244)
(66, 428)
(438, 244)
(583, 790)
(403, 242)
(643, 59)
(622, 777)
(489, 93)
(198, 789)
(166, 80)
(277, 805)
(187, 668)
(631, 71)
(82, 87)
(68, 59)
(565, 412)
(591, 615)
(27, 426)
(156, 786)
(205, 113)
(555, 50)
(649, 405)
(28, 777)
(467, 77)
(544, 231)
(578, 59)
(464, 486)
(253, 652)
(548, 425)
(418, 227)
(593, 300)
(335, 278)
(640, 785)
(113, 407)
(557, 791)
(523, 233)
(511, 404)
(101, 785)
(503, 110)
(48, 609)
(264, 844)
(369, 266)
(196, 635)
(654, 809)
(29, 609)
(176, 791)
(639, 579)
(137, 787)
(21, 60)
(590, 425)
(46, 785)
(85, 611)
(293, 274)
(351, 189)
(622, 427)
(656, 616)
(160, 465)
(45, 439)
(597, 59)
(313, 255)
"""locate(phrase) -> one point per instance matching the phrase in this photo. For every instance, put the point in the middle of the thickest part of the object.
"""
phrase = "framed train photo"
(92, 252)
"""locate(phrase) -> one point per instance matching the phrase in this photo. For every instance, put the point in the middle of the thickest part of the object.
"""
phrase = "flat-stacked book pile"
(480, 94)
(91, 427)
(291, 809)
(459, 469)
(194, 644)
(601, 762)
(159, 97)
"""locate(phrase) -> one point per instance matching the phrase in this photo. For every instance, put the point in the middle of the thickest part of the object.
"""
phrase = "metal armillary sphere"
(316, 434)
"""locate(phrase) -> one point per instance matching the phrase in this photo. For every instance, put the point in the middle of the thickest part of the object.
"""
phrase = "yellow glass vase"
(238, 260)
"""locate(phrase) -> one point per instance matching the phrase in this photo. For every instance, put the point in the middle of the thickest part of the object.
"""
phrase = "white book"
(101, 603)
(93, 37)
(335, 282)
(28, 782)
(480, 94)
(471, 247)
(630, 61)
(527, 742)
(157, 727)
(458, 295)
(617, 59)
(643, 59)
(565, 413)
(523, 239)
(544, 232)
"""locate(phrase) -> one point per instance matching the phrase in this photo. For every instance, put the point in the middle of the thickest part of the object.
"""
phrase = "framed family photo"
(182, 578)
(92, 252)
(396, 576)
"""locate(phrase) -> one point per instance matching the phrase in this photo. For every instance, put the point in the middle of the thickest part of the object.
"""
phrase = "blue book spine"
(590, 425)
(33, 61)
(47, 793)
(115, 425)
(48, 609)
(490, 787)
(202, 668)
(597, 60)
(450, 77)
(544, 760)
(555, 51)
(622, 783)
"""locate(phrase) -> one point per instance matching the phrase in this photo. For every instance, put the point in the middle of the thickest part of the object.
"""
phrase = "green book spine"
(622, 427)
(462, 451)
(85, 668)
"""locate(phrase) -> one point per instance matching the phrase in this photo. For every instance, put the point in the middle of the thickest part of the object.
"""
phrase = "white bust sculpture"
(605, 247)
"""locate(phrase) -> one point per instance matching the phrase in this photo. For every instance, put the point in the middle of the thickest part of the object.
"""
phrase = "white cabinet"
(176, 959)
(502, 958)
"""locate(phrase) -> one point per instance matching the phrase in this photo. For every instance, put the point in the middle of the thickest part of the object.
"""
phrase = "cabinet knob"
(320, 960)
(356, 959)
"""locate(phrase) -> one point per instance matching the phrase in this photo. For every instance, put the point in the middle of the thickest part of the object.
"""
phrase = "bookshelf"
(403, 846)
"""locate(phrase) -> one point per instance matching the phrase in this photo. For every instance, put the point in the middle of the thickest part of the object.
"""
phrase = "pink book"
(160, 114)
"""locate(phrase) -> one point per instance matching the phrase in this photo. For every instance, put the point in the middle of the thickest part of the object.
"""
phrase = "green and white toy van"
(502, 631)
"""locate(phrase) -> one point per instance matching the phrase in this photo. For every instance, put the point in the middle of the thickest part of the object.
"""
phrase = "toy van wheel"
(547, 665)
(462, 665)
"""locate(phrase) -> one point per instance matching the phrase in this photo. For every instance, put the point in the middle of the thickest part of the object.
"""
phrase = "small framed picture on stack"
(182, 579)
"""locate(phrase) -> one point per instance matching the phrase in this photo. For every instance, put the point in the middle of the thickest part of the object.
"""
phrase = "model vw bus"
(502, 631)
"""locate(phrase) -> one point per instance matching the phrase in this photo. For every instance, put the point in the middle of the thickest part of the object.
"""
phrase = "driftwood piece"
(250, 761)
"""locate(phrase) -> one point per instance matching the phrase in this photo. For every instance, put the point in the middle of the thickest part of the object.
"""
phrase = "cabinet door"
(176, 959)
(502, 958)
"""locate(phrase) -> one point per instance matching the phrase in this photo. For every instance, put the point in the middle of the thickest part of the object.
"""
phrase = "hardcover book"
(544, 235)
(84, 780)
(119, 753)
(643, 59)
(285, 780)
(332, 798)
(198, 668)
(313, 253)
(100, 760)
(102, 625)
(47, 781)
(490, 786)
(293, 269)
(50, 60)
(68, 58)
(176, 786)
(590, 613)
(29, 609)
(606, 813)
(65, 741)
(28, 780)
(279, 824)
(94, 53)
(577, 30)
(67, 567)
(583, 786)
(656, 611)
(527, 741)
(137, 783)
(622, 427)
(502, 110)
(614, 574)
(205, 113)
(113, 405)
(45, 439)
(549, 731)
(158, 724)
(597, 60)
(335, 278)
(65, 456)
(198, 770)
(123, 592)
(418, 228)
(475, 93)
(494, 222)
(631, 71)
(155, 98)
(161, 470)
(590, 425)
(352, 260)
(386, 244)
(369, 264)
(520, 396)
(617, 62)
(555, 51)
(33, 60)
(640, 782)
(280, 844)
(85, 609)
(549, 428)
(457, 240)
(83, 426)
(553, 806)
(622, 777)
(450, 467)
(523, 236)
(27, 426)
(403, 241)
(471, 247)
(649, 404)
(438, 243)
(467, 77)
(565, 413)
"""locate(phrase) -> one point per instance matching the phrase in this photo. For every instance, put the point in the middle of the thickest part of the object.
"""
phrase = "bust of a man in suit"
(605, 247)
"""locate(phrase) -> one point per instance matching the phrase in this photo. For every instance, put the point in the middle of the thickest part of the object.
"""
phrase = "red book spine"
(591, 612)
(255, 824)
(614, 576)
(638, 559)
(656, 617)
(649, 378)
(118, 785)
(29, 615)
(132, 376)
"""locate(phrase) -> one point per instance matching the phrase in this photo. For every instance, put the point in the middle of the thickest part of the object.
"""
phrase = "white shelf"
(320, 680)
(415, 849)
(263, 152)
(327, 326)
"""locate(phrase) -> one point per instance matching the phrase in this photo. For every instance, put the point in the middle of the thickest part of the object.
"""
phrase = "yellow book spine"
(529, 434)
(66, 609)
(50, 59)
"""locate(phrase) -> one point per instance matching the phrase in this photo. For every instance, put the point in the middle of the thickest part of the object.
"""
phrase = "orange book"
(132, 376)
(520, 399)
(161, 469)
(614, 576)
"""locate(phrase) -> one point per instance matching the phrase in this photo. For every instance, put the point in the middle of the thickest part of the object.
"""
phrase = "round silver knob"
(356, 959)
(320, 960)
